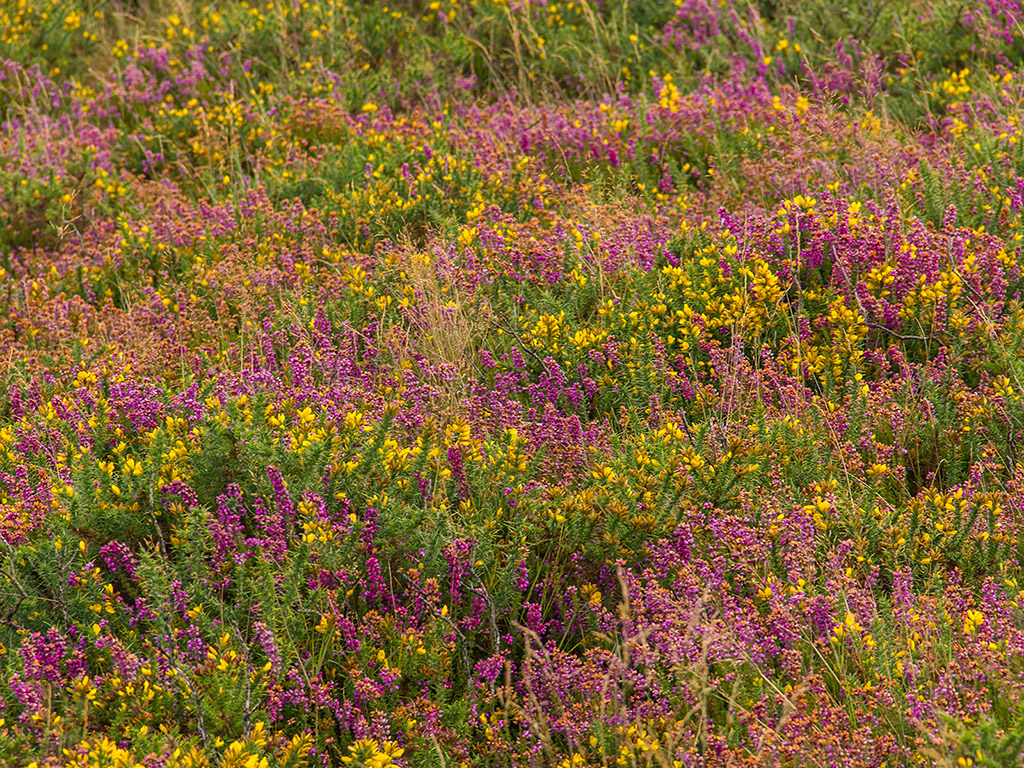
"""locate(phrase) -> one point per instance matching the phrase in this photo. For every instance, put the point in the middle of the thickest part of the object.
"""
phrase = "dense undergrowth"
(528, 384)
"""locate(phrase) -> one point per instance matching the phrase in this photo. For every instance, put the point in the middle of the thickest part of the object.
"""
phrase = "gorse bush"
(530, 384)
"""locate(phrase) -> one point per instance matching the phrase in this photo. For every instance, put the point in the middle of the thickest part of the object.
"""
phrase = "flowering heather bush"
(519, 384)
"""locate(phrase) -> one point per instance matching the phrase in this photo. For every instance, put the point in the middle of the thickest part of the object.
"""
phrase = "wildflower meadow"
(515, 383)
